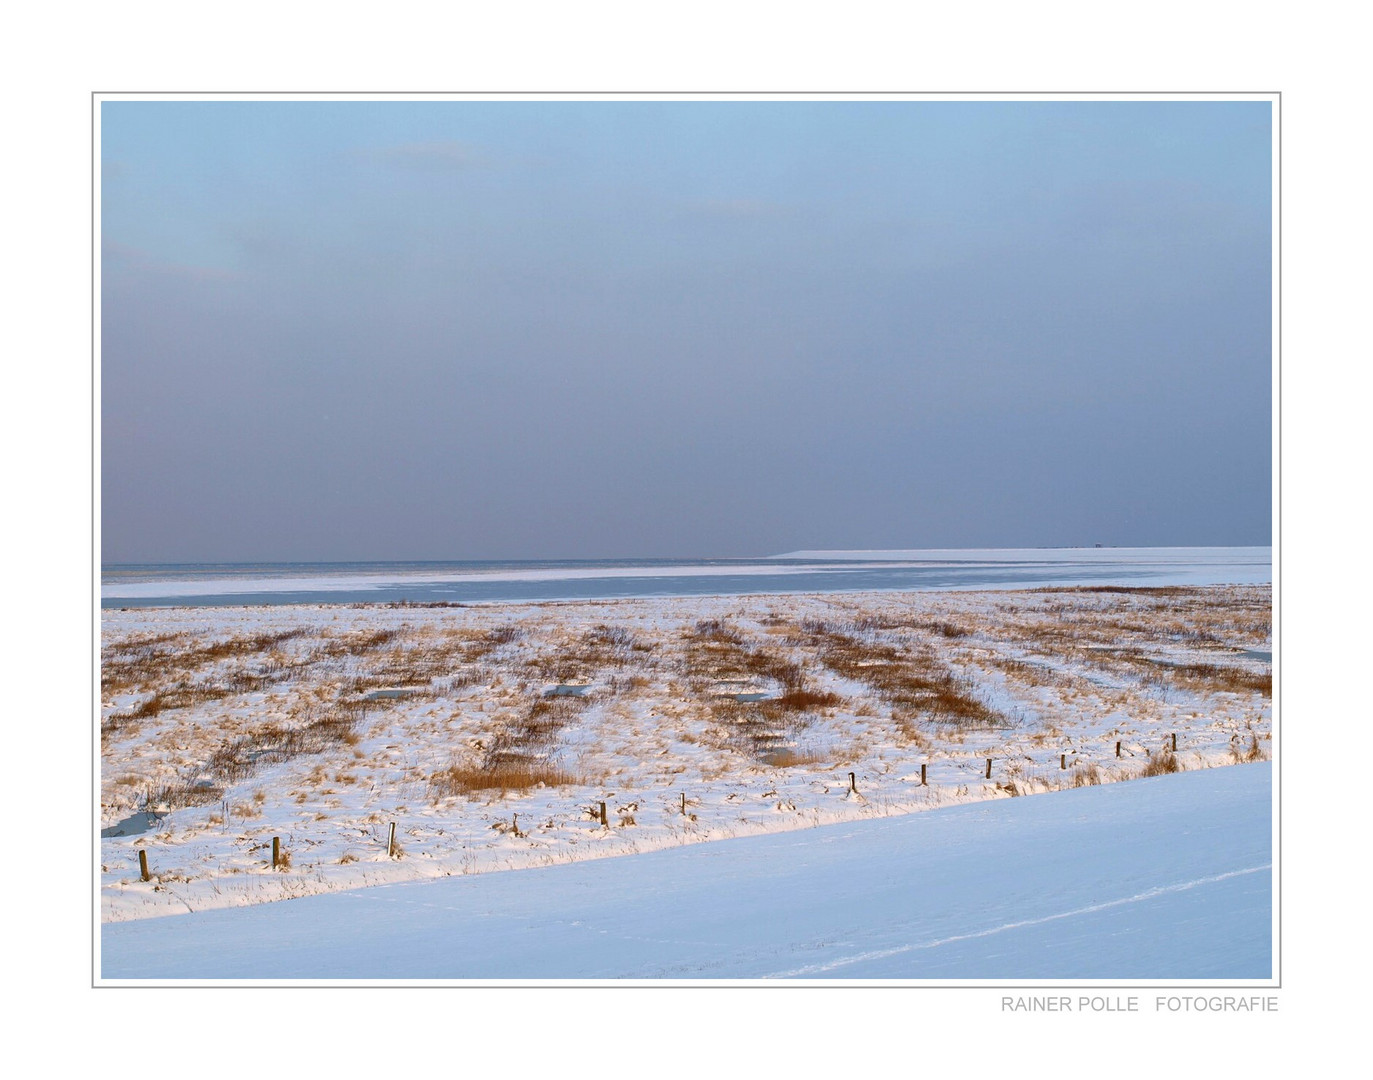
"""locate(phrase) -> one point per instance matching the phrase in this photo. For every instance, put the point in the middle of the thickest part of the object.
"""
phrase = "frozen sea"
(602, 579)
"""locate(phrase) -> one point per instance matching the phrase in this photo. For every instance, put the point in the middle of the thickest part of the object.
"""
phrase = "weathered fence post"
(989, 768)
(853, 784)
(605, 822)
(143, 864)
(1175, 741)
(276, 851)
(922, 774)
(684, 804)
(391, 841)
(1117, 749)
(1062, 761)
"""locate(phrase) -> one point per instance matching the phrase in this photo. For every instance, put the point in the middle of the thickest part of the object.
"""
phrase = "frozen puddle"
(569, 690)
(134, 824)
(392, 692)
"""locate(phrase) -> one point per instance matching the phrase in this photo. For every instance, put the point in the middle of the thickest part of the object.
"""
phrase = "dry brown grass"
(1031, 673)
(1225, 678)
(914, 681)
(719, 651)
(1133, 617)
(599, 649)
(268, 743)
(146, 662)
(416, 664)
(1239, 753)
(787, 758)
(510, 776)
(795, 700)
(1128, 590)
(716, 652)
(189, 793)
(517, 755)
(1162, 762)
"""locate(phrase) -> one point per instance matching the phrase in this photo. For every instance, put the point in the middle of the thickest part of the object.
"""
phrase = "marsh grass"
(239, 758)
(1227, 678)
(1125, 616)
(719, 651)
(1241, 754)
(508, 776)
(186, 793)
(1035, 674)
(589, 655)
(1162, 762)
(517, 756)
(787, 758)
(146, 662)
(912, 680)
(912, 671)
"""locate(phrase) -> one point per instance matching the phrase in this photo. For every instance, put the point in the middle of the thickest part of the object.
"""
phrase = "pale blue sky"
(536, 329)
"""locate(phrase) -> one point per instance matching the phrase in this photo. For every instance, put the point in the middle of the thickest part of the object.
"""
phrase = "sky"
(351, 330)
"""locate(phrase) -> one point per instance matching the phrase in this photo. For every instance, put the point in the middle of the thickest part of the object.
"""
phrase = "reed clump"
(507, 776)
(913, 681)
(1225, 677)
(1161, 763)
(518, 756)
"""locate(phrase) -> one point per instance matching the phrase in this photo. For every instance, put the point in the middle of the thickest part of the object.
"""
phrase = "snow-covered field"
(1166, 878)
(492, 735)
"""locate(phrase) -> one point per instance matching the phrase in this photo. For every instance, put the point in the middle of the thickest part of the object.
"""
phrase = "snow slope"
(1163, 878)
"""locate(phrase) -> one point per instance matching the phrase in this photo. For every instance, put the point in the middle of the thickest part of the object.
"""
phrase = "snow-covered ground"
(324, 724)
(1167, 878)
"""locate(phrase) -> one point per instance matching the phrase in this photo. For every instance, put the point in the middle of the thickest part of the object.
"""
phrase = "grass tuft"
(1162, 762)
(504, 777)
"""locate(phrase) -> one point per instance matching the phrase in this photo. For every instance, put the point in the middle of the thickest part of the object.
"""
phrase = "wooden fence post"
(684, 804)
(604, 820)
(853, 784)
(391, 841)
(276, 851)
(1062, 761)
(1117, 749)
(143, 864)
(1175, 741)
(989, 768)
(922, 774)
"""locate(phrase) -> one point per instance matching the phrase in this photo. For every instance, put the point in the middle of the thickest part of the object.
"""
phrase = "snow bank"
(1165, 878)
